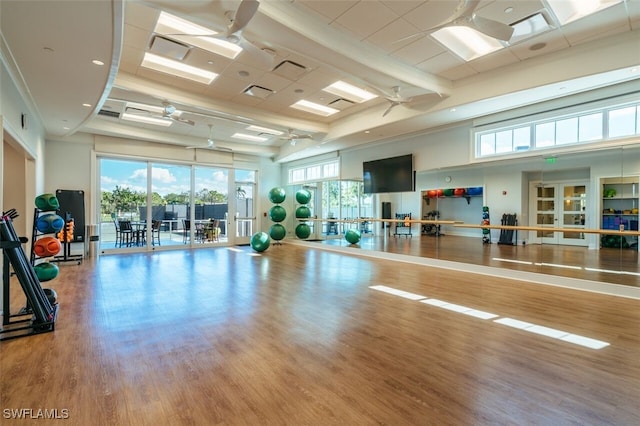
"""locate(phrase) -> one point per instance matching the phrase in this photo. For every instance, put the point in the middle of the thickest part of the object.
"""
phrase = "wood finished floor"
(296, 336)
(542, 258)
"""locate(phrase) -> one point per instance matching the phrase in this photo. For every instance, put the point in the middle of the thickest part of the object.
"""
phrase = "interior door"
(559, 205)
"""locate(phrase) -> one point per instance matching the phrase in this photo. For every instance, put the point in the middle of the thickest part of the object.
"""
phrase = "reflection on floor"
(607, 265)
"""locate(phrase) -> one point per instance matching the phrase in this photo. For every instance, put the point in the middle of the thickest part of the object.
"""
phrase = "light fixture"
(570, 10)
(145, 119)
(178, 69)
(314, 108)
(466, 42)
(247, 137)
(195, 35)
(528, 27)
(266, 130)
(350, 92)
(86, 105)
(97, 62)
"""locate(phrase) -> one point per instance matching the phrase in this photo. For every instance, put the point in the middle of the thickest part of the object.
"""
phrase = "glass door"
(244, 218)
(559, 205)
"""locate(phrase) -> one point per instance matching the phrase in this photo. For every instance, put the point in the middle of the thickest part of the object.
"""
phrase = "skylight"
(571, 10)
(178, 69)
(195, 35)
(466, 42)
(350, 92)
(314, 108)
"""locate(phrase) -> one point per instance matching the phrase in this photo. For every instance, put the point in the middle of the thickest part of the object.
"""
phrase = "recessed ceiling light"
(66, 128)
(48, 49)
(508, 10)
(571, 10)
(243, 73)
(314, 108)
(97, 62)
(452, 110)
(466, 42)
(86, 105)
(176, 68)
(349, 91)
(195, 35)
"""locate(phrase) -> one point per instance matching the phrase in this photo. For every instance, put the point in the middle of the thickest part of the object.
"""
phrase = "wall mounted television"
(393, 174)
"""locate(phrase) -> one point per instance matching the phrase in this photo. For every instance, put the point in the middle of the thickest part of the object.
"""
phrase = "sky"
(166, 178)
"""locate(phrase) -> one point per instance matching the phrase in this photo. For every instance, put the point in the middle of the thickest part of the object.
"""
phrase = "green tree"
(173, 198)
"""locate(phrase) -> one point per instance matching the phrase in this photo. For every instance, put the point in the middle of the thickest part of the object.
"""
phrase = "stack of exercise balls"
(277, 214)
(303, 197)
(48, 223)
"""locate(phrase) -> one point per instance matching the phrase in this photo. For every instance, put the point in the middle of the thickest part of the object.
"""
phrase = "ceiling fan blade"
(492, 28)
(263, 56)
(244, 14)
(392, 106)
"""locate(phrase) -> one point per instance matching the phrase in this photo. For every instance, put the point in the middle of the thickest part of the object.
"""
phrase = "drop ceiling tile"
(135, 37)
(393, 36)
(430, 14)
(237, 70)
(402, 7)
(130, 59)
(553, 41)
(419, 51)
(610, 21)
(330, 10)
(458, 72)
(377, 16)
(225, 87)
(494, 60)
(141, 16)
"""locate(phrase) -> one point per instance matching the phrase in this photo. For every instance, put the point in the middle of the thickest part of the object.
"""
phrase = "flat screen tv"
(393, 174)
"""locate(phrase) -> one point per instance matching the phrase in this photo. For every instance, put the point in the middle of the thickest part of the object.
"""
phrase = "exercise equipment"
(352, 236)
(260, 241)
(277, 213)
(277, 195)
(47, 202)
(39, 315)
(303, 212)
(486, 232)
(46, 271)
(277, 232)
(49, 223)
(47, 246)
(303, 196)
(303, 231)
(506, 235)
(403, 224)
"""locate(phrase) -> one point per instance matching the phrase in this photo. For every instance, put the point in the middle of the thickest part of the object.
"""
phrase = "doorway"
(556, 205)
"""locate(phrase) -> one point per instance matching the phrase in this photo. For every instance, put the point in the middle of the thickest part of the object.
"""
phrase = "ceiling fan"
(233, 33)
(167, 112)
(294, 137)
(211, 144)
(464, 15)
(395, 99)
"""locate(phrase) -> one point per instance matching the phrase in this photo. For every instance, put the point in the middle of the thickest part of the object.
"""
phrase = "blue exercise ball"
(260, 241)
(277, 195)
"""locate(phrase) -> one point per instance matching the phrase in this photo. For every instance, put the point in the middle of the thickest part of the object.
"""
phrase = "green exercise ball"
(352, 236)
(277, 213)
(303, 196)
(303, 212)
(303, 231)
(46, 271)
(277, 232)
(260, 241)
(277, 195)
(47, 202)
